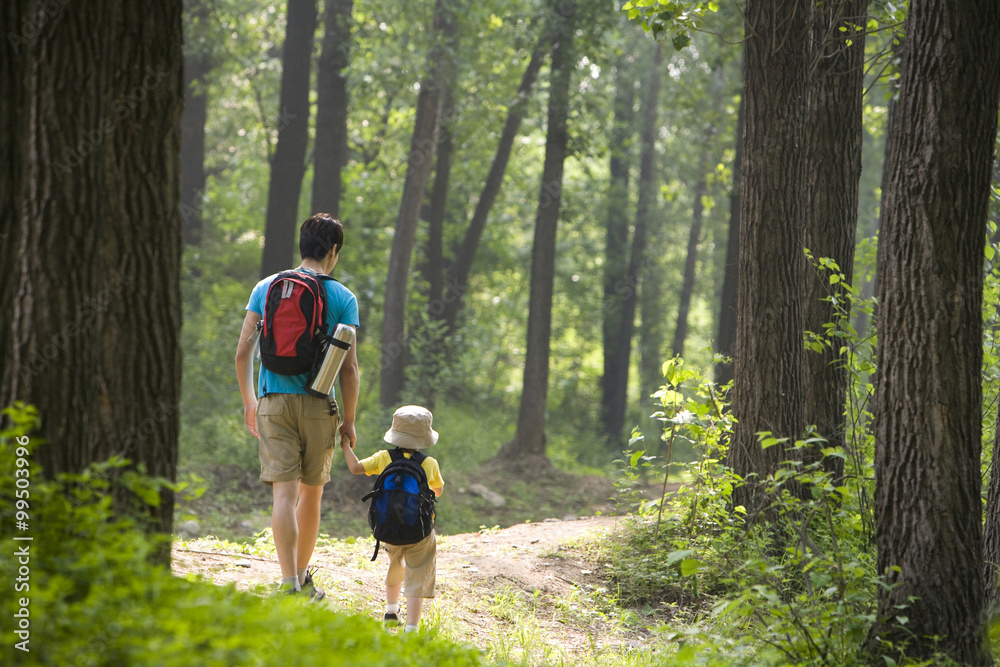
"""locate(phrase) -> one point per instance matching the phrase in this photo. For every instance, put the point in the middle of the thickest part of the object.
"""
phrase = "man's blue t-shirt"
(343, 309)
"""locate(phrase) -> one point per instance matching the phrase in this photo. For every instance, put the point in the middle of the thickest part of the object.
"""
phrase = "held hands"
(347, 435)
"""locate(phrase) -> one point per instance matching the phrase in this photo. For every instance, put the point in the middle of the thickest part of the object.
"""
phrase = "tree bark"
(767, 394)
(457, 280)
(725, 343)
(197, 66)
(528, 445)
(423, 144)
(833, 170)
(93, 333)
(332, 102)
(288, 165)
(613, 393)
(928, 391)
(20, 19)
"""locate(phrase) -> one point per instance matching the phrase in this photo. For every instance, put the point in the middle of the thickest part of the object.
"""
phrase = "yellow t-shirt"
(380, 460)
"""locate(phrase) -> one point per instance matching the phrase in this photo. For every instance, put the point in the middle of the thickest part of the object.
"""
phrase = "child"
(412, 564)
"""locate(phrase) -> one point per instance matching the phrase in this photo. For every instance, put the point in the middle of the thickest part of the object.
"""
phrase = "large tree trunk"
(767, 393)
(613, 393)
(528, 446)
(725, 343)
(331, 151)
(419, 163)
(197, 66)
(289, 162)
(92, 338)
(457, 279)
(16, 89)
(833, 169)
(622, 353)
(928, 392)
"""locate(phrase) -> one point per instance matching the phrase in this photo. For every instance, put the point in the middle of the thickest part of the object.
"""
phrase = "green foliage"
(94, 598)
(680, 19)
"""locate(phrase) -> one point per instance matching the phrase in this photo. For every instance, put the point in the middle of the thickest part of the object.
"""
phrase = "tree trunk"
(637, 269)
(93, 334)
(289, 162)
(652, 339)
(197, 66)
(419, 162)
(690, 261)
(833, 170)
(928, 392)
(433, 264)
(19, 19)
(768, 356)
(528, 445)
(613, 393)
(457, 280)
(332, 102)
(725, 343)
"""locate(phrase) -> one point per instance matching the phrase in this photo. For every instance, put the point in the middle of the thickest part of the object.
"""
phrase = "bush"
(93, 597)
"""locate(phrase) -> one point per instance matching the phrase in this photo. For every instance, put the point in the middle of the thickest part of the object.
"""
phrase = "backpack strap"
(377, 545)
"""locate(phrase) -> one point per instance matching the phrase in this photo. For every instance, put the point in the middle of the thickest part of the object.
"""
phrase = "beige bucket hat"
(411, 428)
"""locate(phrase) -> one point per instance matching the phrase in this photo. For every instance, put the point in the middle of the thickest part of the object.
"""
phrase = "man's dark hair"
(318, 235)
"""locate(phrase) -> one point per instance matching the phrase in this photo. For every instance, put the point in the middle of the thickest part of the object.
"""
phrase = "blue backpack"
(402, 504)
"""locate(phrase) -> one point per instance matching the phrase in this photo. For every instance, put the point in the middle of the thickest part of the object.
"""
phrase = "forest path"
(489, 583)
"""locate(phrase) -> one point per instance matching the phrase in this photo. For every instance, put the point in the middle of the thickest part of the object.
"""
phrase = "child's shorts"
(415, 565)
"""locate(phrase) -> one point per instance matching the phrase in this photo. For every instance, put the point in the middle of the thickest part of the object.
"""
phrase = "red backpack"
(294, 324)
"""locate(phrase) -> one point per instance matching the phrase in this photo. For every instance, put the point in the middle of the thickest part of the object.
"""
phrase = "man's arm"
(350, 387)
(244, 374)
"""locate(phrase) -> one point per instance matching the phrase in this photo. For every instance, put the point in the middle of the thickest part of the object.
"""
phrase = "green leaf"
(681, 40)
(690, 566)
(634, 459)
(675, 556)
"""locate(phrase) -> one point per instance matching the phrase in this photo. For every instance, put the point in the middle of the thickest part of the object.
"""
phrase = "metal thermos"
(336, 351)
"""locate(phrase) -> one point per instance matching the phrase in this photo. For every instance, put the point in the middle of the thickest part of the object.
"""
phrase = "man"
(298, 431)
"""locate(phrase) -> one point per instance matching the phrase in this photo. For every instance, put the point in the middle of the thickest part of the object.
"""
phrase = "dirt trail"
(529, 566)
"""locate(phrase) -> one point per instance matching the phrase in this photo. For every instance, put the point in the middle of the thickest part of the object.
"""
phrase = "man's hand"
(347, 434)
(250, 418)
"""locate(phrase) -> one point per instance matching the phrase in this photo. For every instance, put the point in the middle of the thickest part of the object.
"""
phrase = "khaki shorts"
(297, 438)
(415, 565)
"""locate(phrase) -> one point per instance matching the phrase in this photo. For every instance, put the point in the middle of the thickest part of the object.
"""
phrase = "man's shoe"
(309, 587)
(391, 619)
